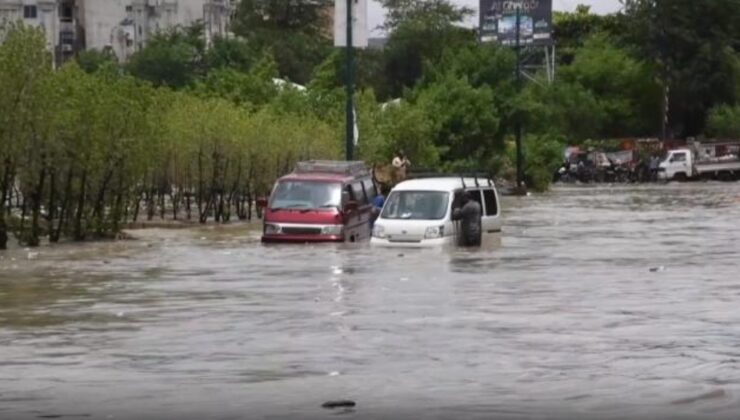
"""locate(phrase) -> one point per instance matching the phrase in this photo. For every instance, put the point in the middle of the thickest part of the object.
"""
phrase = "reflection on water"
(561, 316)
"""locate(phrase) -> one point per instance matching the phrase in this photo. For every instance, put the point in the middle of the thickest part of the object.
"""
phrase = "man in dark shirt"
(469, 216)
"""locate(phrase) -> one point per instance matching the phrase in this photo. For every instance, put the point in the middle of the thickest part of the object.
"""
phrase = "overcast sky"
(375, 12)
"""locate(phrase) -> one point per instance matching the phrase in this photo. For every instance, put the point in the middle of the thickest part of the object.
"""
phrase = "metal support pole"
(519, 157)
(666, 109)
(350, 86)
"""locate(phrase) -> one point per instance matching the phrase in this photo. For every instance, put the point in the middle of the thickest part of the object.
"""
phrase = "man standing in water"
(469, 216)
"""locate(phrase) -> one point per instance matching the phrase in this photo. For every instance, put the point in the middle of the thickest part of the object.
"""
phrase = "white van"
(418, 212)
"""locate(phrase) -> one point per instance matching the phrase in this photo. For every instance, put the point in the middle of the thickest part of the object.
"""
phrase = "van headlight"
(332, 230)
(379, 232)
(271, 229)
(434, 232)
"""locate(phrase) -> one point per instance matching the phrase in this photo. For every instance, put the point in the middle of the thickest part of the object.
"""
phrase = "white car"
(418, 212)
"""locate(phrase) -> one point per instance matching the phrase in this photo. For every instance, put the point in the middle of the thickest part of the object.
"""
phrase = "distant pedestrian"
(654, 165)
(470, 217)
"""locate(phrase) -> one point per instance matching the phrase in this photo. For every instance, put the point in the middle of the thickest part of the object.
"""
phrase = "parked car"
(320, 201)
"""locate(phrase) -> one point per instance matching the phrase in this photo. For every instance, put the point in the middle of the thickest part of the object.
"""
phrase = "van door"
(357, 224)
(491, 217)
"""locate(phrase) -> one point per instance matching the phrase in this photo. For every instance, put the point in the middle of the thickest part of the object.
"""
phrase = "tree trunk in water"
(79, 233)
(33, 239)
(24, 211)
(161, 197)
(188, 210)
(249, 205)
(52, 197)
(98, 210)
(117, 206)
(57, 233)
(176, 196)
(137, 207)
(4, 190)
(150, 204)
(199, 200)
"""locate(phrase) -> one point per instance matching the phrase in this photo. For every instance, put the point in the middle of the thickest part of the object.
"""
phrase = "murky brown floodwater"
(563, 319)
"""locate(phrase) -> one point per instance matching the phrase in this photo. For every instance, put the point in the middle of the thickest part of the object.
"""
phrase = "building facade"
(121, 26)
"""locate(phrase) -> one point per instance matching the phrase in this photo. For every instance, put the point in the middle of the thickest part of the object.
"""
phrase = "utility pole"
(519, 157)
(350, 81)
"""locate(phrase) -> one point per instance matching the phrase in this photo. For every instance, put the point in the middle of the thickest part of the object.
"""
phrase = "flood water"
(603, 302)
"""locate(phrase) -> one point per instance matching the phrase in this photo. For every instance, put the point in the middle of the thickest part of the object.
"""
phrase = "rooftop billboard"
(498, 21)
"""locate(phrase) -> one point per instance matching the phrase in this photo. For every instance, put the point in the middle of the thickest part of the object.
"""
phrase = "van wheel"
(680, 177)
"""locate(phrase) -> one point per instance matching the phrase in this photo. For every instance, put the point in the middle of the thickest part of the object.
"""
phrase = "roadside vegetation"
(188, 132)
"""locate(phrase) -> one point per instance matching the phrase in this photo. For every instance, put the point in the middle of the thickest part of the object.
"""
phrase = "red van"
(320, 201)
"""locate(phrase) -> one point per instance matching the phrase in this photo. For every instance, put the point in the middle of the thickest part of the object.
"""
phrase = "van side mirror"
(261, 203)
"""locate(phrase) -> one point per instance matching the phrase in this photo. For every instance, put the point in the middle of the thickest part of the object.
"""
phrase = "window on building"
(67, 37)
(30, 12)
(66, 13)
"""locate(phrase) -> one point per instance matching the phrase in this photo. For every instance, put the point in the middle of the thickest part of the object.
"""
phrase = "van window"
(358, 193)
(416, 205)
(491, 204)
(305, 195)
(475, 194)
(679, 157)
(369, 189)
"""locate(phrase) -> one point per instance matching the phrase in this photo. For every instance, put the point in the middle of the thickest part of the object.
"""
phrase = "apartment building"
(57, 18)
(122, 26)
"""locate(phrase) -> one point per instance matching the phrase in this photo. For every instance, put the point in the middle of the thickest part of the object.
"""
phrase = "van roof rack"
(477, 176)
(332, 167)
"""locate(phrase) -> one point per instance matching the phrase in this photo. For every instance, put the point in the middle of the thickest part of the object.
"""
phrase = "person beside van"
(378, 203)
(470, 217)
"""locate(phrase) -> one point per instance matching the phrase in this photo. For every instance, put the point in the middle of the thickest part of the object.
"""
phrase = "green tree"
(92, 60)
(296, 33)
(571, 30)
(233, 53)
(419, 32)
(24, 65)
(624, 87)
(694, 46)
(174, 58)
(724, 122)
(464, 122)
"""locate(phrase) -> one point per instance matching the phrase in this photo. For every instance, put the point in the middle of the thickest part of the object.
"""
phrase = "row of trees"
(81, 154)
(458, 100)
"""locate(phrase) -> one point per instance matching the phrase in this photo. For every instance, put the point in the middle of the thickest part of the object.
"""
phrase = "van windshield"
(306, 195)
(416, 205)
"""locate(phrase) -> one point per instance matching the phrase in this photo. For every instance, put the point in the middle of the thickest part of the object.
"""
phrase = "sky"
(375, 12)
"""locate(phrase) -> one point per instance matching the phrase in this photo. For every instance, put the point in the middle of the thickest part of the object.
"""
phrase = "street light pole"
(519, 157)
(350, 76)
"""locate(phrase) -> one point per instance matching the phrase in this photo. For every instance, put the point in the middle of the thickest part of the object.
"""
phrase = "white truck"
(708, 161)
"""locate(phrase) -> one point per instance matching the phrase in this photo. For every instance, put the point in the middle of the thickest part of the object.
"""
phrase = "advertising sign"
(359, 23)
(498, 21)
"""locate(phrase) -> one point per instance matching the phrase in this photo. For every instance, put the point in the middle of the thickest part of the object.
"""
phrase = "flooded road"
(598, 303)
